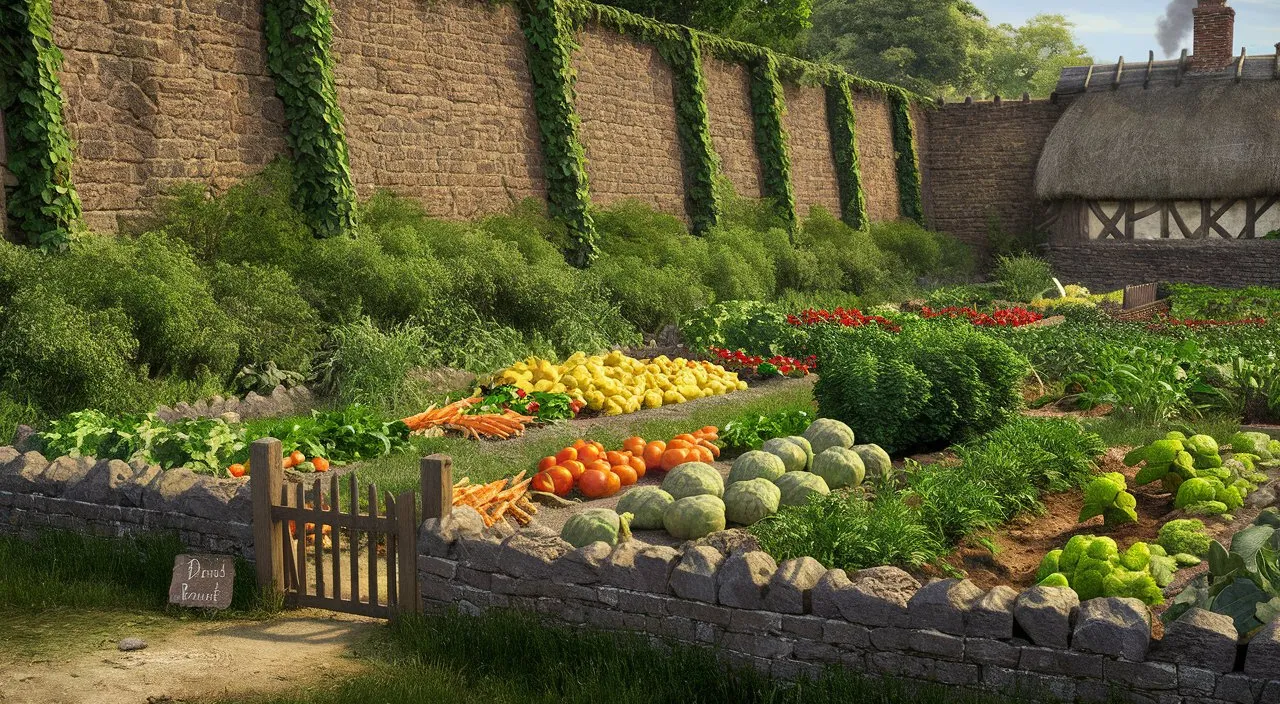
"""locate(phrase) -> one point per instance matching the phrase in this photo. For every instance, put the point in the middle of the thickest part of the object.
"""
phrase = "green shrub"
(930, 385)
(62, 357)
(923, 252)
(366, 365)
(1023, 278)
(759, 328)
(275, 323)
(849, 258)
(172, 313)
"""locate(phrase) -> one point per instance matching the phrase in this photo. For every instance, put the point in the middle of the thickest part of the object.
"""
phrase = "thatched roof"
(1204, 140)
(1159, 74)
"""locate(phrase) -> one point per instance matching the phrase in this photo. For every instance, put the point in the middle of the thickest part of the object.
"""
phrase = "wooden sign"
(202, 581)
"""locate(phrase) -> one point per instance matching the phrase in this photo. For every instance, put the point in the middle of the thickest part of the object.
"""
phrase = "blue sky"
(1112, 28)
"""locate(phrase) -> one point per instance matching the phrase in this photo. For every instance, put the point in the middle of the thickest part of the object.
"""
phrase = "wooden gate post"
(437, 486)
(266, 479)
(408, 599)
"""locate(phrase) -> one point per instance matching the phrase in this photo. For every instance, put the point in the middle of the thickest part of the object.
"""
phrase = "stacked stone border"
(798, 618)
(115, 498)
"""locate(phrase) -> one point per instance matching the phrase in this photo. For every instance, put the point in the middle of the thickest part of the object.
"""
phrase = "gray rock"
(743, 578)
(828, 592)
(1262, 659)
(241, 505)
(1201, 639)
(131, 644)
(279, 392)
(26, 439)
(500, 530)
(1262, 498)
(144, 475)
(1046, 615)
(695, 575)
(104, 484)
(1115, 626)
(639, 567)
(942, 605)
(582, 566)
(730, 541)
(991, 614)
(24, 474)
(229, 417)
(63, 473)
(200, 409)
(790, 588)
(438, 536)
(209, 498)
(8, 454)
(165, 492)
(182, 409)
(166, 414)
(879, 597)
(530, 557)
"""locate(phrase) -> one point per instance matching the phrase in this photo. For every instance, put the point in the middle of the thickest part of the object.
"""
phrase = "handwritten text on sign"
(202, 581)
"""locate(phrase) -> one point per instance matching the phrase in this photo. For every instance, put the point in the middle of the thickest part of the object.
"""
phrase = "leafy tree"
(778, 24)
(930, 46)
(1028, 59)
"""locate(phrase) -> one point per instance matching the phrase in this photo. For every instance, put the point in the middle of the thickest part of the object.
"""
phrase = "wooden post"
(408, 600)
(437, 486)
(266, 478)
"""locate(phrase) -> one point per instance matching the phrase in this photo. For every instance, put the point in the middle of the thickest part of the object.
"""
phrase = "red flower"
(520, 393)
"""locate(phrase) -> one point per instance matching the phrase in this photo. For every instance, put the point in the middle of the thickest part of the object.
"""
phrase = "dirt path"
(192, 661)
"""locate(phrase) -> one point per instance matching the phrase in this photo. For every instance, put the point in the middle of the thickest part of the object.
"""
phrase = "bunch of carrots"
(454, 417)
(497, 499)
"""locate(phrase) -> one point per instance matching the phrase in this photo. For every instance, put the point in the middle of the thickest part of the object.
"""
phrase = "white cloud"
(1093, 23)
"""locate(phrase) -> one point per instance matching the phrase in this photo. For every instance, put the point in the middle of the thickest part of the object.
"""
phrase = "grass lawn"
(486, 461)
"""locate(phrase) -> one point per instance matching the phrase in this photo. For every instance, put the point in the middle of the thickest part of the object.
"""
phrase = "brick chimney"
(1215, 25)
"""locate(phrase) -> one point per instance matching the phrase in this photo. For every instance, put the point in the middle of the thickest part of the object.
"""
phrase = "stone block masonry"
(876, 156)
(732, 127)
(1105, 265)
(797, 618)
(813, 166)
(158, 94)
(628, 116)
(438, 103)
(980, 166)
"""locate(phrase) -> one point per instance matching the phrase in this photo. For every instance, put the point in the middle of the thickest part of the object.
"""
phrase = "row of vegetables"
(694, 500)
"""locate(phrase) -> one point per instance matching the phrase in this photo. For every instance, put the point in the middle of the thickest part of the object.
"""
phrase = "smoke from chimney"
(1175, 25)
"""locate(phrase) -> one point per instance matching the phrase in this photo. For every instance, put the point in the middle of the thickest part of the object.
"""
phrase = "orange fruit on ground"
(634, 444)
(598, 445)
(701, 454)
(687, 437)
(626, 474)
(547, 463)
(652, 454)
(708, 430)
(563, 480)
(542, 481)
(601, 465)
(568, 453)
(574, 467)
(588, 454)
(714, 448)
(681, 444)
(236, 470)
(637, 463)
(616, 458)
(320, 463)
(578, 444)
(594, 484)
(674, 458)
(614, 483)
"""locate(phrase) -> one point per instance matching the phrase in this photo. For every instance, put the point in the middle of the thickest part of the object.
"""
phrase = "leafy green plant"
(1243, 582)
(342, 436)
(684, 55)
(366, 364)
(741, 325)
(263, 379)
(768, 104)
(908, 165)
(200, 445)
(44, 204)
(842, 123)
(748, 432)
(1184, 536)
(1023, 278)
(299, 42)
(1106, 496)
(1094, 567)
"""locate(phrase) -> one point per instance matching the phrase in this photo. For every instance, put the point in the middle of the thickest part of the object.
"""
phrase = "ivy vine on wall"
(549, 30)
(299, 54)
(767, 106)
(844, 146)
(701, 166)
(44, 206)
(904, 147)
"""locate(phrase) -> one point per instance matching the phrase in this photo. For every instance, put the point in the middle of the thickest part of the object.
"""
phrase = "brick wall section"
(1112, 265)
(162, 93)
(876, 157)
(813, 166)
(797, 618)
(438, 103)
(982, 162)
(628, 117)
(732, 124)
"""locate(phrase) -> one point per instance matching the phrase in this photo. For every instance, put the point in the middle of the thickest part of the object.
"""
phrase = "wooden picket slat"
(373, 547)
(353, 535)
(335, 503)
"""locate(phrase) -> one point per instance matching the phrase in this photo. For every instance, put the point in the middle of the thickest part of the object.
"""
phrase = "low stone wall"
(797, 618)
(114, 498)
(279, 402)
(1108, 265)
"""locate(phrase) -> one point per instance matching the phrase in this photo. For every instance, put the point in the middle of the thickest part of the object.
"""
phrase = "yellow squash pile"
(615, 383)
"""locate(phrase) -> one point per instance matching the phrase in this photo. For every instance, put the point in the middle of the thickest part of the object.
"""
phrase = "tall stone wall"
(813, 166)
(732, 125)
(981, 164)
(1107, 265)
(159, 94)
(628, 113)
(438, 103)
(876, 156)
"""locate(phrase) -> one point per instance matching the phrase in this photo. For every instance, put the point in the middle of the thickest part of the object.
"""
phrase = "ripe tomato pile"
(848, 317)
(1002, 317)
(596, 472)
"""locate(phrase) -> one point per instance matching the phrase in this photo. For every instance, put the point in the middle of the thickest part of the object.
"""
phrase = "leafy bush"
(847, 259)
(63, 357)
(923, 252)
(933, 384)
(275, 323)
(759, 327)
(368, 364)
(1022, 278)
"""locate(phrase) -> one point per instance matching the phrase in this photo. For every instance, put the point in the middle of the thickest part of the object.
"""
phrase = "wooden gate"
(313, 575)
